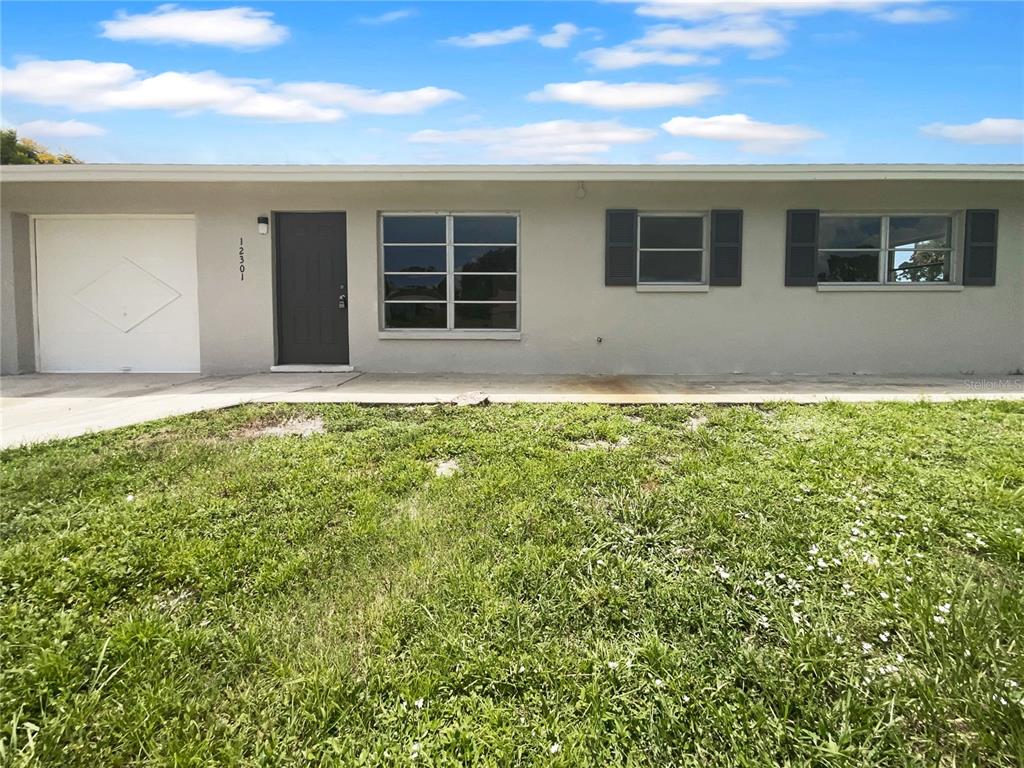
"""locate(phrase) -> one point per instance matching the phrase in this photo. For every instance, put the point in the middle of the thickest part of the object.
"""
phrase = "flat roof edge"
(570, 173)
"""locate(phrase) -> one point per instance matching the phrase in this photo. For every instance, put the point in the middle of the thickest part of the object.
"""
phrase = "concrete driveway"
(37, 407)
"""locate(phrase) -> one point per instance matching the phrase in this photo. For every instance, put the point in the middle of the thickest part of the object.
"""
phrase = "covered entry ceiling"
(116, 293)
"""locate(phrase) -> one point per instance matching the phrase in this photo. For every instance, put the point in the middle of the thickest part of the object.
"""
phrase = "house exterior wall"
(758, 327)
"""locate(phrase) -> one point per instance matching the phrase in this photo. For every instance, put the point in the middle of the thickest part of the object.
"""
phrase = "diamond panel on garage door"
(125, 295)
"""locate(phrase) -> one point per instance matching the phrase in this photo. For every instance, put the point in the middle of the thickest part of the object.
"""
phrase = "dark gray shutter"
(726, 247)
(801, 247)
(620, 247)
(980, 234)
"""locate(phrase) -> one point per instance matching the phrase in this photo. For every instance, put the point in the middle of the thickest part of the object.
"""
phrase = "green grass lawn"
(578, 585)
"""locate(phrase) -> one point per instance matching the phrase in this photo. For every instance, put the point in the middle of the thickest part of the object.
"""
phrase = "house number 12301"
(241, 258)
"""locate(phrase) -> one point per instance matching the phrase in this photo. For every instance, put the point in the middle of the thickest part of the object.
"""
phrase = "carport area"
(38, 407)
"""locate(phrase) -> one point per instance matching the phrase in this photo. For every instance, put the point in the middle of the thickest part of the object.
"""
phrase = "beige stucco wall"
(759, 327)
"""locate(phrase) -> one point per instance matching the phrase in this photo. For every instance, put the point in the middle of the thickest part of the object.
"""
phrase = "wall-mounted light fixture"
(581, 191)
(263, 224)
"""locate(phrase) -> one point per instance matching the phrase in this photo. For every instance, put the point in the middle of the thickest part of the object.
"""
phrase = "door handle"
(341, 297)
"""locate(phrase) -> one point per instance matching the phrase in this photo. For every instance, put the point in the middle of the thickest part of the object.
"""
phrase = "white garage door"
(117, 294)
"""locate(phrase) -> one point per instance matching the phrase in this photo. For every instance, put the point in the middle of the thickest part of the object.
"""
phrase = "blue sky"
(433, 82)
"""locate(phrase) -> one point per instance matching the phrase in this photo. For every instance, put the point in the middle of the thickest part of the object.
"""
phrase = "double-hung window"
(897, 249)
(450, 271)
(672, 248)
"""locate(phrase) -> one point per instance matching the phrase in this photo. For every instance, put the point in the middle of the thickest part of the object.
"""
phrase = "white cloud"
(493, 37)
(96, 86)
(753, 136)
(914, 15)
(990, 130)
(675, 157)
(555, 141)
(561, 36)
(389, 16)
(237, 27)
(687, 46)
(75, 83)
(596, 93)
(61, 129)
(752, 33)
(372, 101)
(627, 57)
(757, 26)
(700, 10)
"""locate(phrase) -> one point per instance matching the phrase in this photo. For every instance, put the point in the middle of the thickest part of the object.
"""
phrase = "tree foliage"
(15, 151)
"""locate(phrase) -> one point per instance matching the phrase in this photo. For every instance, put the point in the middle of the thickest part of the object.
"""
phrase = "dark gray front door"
(312, 288)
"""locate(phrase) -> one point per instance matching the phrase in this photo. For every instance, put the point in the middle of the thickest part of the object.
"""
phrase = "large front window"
(672, 248)
(885, 249)
(455, 272)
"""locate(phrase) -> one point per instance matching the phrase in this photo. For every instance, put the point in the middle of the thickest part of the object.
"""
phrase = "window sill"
(894, 287)
(452, 335)
(672, 288)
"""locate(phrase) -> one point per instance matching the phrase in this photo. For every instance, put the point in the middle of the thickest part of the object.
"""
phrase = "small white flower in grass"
(659, 683)
(967, 653)
(884, 637)
(884, 595)
(415, 751)
(908, 579)
(870, 558)
(130, 497)
(686, 699)
(555, 748)
(797, 602)
(813, 550)
(866, 647)
(847, 589)
(613, 665)
(419, 703)
(944, 608)
(600, 562)
(809, 568)
(722, 573)
(939, 619)
(822, 564)
(840, 640)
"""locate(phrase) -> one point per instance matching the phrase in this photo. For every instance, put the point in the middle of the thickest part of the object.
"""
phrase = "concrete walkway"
(37, 407)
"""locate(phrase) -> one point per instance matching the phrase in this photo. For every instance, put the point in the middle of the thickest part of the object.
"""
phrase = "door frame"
(275, 280)
(34, 265)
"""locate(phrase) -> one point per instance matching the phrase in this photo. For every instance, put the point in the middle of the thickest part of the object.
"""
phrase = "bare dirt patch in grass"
(447, 468)
(696, 422)
(606, 445)
(298, 426)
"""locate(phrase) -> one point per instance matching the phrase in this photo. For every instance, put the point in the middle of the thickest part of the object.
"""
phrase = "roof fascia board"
(572, 173)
